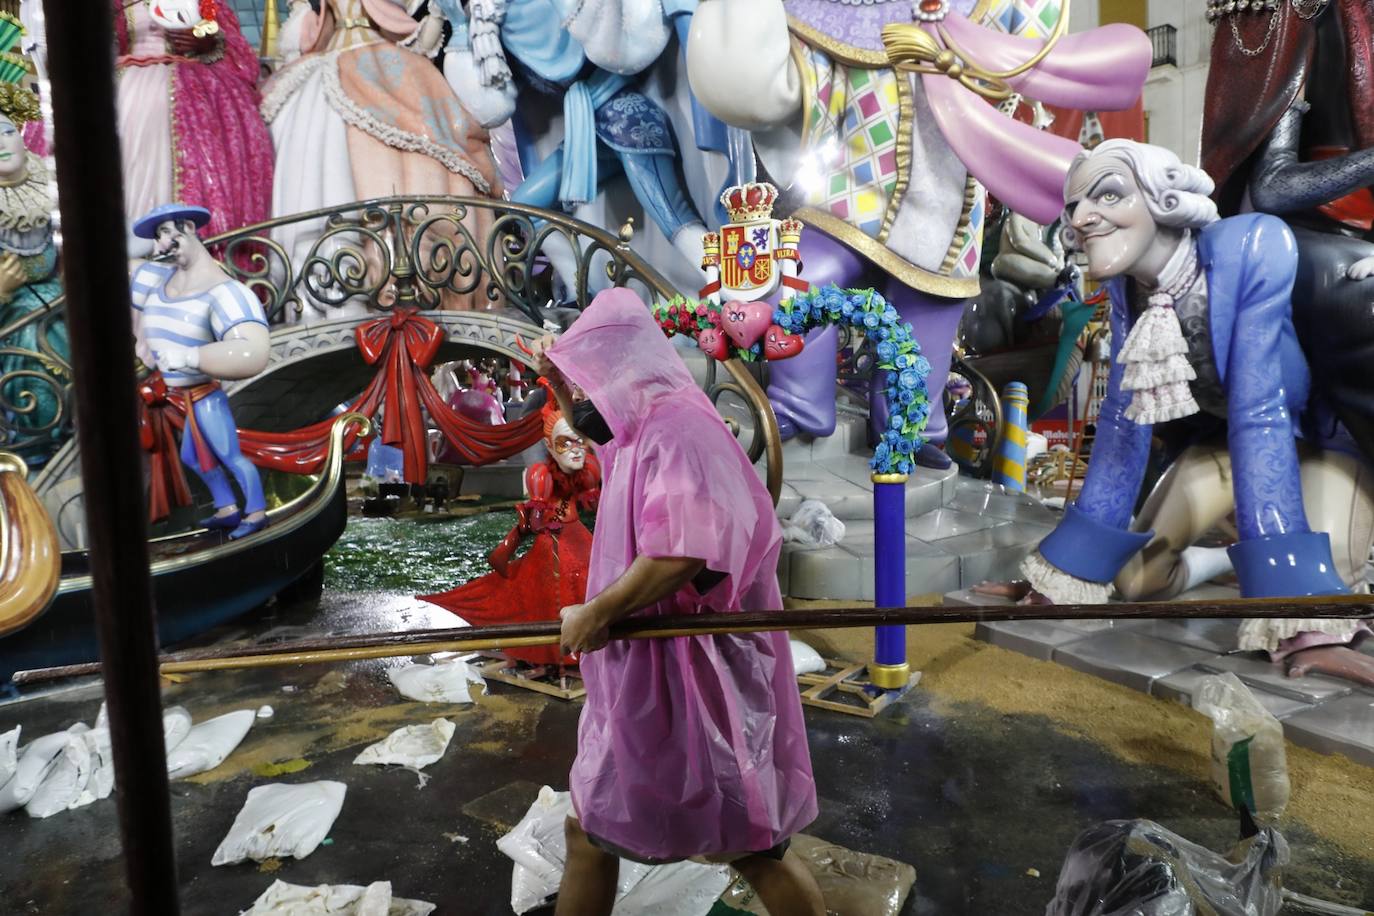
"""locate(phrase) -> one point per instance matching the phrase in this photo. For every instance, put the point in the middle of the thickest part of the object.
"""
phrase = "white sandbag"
(539, 850)
(66, 779)
(806, 660)
(813, 525)
(282, 899)
(410, 746)
(208, 743)
(176, 725)
(280, 820)
(446, 682)
(1249, 761)
(9, 754)
(35, 762)
(101, 783)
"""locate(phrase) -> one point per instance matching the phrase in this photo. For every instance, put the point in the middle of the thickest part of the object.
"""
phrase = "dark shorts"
(776, 853)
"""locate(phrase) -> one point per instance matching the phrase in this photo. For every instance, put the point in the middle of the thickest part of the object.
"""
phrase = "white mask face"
(568, 450)
(177, 15)
(13, 155)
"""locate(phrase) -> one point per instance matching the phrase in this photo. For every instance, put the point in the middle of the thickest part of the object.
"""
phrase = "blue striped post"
(889, 669)
(1009, 466)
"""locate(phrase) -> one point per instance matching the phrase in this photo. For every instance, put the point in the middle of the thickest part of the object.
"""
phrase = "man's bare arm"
(648, 580)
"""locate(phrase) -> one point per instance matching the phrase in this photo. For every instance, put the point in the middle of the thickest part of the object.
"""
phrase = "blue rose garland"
(908, 402)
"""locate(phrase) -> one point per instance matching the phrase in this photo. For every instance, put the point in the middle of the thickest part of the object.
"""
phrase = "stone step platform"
(1168, 658)
(979, 532)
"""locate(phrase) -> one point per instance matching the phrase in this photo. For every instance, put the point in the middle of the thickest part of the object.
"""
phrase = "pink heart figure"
(778, 344)
(745, 322)
(713, 343)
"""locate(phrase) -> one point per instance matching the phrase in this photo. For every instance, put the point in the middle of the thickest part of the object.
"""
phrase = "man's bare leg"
(785, 887)
(1337, 661)
(589, 876)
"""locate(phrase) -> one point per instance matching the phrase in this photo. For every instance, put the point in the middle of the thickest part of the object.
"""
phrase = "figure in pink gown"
(189, 126)
(692, 745)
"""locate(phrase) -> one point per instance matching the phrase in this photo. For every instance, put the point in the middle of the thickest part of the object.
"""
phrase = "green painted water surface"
(415, 555)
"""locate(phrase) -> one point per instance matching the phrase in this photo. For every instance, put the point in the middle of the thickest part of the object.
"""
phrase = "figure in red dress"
(553, 573)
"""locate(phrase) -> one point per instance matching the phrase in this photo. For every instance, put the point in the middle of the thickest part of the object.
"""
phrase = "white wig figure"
(1175, 194)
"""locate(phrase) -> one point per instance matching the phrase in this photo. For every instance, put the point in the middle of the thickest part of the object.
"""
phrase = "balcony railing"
(1164, 43)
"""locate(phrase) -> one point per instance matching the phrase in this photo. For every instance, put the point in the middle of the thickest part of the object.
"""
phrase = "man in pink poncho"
(692, 747)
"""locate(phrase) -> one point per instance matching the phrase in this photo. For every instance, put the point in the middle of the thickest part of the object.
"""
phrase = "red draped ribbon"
(402, 345)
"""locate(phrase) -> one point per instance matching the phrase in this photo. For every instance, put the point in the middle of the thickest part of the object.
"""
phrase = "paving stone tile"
(1128, 658)
(789, 500)
(1260, 672)
(1341, 726)
(1216, 635)
(1100, 625)
(845, 500)
(784, 572)
(1180, 686)
(967, 597)
(1036, 638)
(993, 554)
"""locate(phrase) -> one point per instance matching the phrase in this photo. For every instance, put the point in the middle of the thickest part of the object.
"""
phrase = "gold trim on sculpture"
(862, 57)
(956, 244)
(905, 109)
(908, 273)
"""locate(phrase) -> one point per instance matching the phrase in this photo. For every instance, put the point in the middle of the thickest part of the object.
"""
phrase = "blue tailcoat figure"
(1250, 262)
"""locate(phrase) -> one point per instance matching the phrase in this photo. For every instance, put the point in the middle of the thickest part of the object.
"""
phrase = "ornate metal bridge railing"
(426, 253)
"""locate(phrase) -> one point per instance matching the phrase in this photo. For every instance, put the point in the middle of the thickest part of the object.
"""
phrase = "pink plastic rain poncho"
(693, 745)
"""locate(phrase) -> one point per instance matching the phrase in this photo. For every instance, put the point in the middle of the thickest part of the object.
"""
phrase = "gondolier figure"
(198, 326)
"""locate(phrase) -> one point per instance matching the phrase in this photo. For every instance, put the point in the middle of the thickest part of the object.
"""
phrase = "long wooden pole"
(543, 633)
(95, 275)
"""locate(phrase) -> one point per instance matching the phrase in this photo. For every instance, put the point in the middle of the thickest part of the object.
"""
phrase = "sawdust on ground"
(1331, 794)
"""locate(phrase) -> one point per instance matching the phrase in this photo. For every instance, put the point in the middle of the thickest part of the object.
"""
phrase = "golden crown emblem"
(748, 202)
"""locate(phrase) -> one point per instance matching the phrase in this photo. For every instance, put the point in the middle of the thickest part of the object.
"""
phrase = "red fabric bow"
(402, 345)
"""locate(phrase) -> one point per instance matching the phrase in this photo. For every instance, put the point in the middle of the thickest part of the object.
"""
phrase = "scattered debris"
(537, 847)
(446, 682)
(1249, 763)
(813, 525)
(455, 838)
(1032, 872)
(280, 820)
(282, 899)
(1138, 867)
(281, 768)
(412, 746)
(806, 660)
(850, 881)
(265, 712)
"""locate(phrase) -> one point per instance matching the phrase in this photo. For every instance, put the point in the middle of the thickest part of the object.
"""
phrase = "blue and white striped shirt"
(190, 321)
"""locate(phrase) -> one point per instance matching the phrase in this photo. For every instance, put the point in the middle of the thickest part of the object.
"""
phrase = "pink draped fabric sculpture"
(189, 126)
(363, 113)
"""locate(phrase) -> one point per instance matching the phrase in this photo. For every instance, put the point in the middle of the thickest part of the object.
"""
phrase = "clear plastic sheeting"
(280, 820)
(852, 883)
(208, 744)
(446, 682)
(1137, 868)
(1249, 763)
(282, 899)
(806, 660)
(415, 746)
(813, 525)
(538, 848)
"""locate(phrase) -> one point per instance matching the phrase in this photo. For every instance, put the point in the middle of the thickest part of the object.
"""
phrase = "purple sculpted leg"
(802, 389)
(934, 322)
